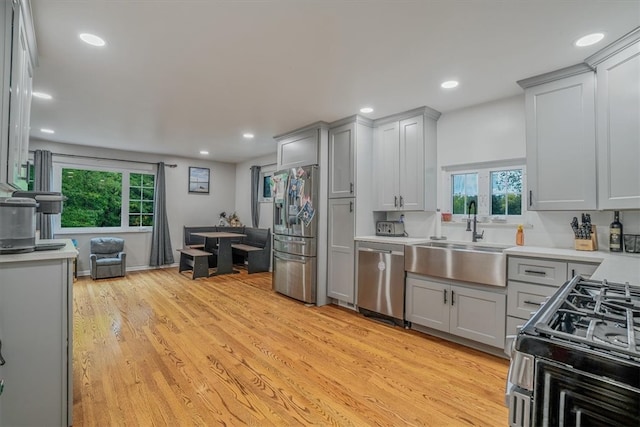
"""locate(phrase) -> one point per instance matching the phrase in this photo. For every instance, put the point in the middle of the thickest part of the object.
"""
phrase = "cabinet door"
(411, 178)
(561, 153)
(386, 166)
(341, 284)
(427, 303)
(342, 161)
(478, 315)
(525, 298)
(619, 130)
(300, 149)
(535, 270)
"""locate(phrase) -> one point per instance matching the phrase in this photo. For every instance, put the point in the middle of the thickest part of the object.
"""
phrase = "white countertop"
(69, 251)
(615, 267)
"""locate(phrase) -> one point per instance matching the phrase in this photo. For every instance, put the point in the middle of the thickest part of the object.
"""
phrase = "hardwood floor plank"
(157, 348)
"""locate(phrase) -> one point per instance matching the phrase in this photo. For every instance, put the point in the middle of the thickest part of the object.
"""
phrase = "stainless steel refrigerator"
(295, 232)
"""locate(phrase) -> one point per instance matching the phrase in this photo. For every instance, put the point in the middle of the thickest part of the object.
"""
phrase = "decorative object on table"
(234, 220)
(615, 233)
(198, 180)
(223, 221)
(586, 238)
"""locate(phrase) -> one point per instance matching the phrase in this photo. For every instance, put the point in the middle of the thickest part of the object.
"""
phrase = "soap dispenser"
(520, 236)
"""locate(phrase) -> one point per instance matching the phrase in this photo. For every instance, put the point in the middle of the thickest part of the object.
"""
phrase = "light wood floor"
(157, 348)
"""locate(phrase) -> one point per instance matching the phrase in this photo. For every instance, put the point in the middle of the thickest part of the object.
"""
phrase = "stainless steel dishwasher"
(381, 280)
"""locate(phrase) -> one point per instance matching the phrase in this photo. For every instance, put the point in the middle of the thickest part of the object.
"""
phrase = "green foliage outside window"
(141, 196)
(506, 192)
(465, 189)
(94, 198)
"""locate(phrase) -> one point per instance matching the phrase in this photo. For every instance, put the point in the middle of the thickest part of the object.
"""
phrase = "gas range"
(577, 360)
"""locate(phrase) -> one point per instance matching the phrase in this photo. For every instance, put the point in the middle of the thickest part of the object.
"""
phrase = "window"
(496, 188)
(104, 198)
(506, 192)
(265, 189)
(465, 189)
(141, 195)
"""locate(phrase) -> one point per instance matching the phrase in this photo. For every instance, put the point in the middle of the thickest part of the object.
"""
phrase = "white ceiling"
(180, 76)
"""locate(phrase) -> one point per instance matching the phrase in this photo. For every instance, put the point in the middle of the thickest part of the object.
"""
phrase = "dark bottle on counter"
(615, 233)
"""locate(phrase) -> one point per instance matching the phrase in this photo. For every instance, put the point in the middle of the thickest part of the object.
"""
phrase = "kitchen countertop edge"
(68, 251)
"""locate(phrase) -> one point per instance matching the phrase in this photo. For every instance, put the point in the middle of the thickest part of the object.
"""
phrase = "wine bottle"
(615, 233)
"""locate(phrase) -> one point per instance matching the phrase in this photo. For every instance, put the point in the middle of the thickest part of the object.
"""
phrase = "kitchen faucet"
(474, 236)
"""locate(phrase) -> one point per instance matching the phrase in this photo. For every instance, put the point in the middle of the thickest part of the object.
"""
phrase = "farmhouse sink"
(481, 264)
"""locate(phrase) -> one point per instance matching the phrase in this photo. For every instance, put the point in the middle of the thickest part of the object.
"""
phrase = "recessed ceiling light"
(42, 95)
(248, 135)
(366, 110)
(92, 39)
(47, 131)
(204, 152)
(449, 84)
(589, 39)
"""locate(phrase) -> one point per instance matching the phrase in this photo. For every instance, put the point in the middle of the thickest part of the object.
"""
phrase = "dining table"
(225, 258)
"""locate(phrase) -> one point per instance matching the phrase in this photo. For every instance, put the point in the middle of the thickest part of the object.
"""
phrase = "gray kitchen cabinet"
(405, 161)
(300, 147)
(342, 164)
(469, 312)
(341, 246)
(618, 123)
(36, 318)
(561, 139)
(18, 59)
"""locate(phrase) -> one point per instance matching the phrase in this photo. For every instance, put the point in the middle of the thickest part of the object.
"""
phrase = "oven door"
(564, 396)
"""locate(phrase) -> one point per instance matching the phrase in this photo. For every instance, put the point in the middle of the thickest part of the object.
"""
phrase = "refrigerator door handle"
(290, 259)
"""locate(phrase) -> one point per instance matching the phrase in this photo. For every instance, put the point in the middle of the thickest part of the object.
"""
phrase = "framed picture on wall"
(198, 180)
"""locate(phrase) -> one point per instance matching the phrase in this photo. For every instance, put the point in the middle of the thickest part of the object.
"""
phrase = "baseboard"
(135, 268)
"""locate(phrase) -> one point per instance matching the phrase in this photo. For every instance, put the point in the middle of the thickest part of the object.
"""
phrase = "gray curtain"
(255, 200)
(43, 177)
(161, 252)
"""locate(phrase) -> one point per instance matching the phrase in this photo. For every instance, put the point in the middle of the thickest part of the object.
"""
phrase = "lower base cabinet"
(36, 332)
(472, 313)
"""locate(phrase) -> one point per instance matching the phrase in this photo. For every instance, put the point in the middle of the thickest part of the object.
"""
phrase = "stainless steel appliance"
(576, 362)
(381, 281)
(295, 232)
(390, 228)
(17, 225)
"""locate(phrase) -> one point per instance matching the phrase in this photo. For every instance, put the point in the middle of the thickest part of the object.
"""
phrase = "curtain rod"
(78, 156)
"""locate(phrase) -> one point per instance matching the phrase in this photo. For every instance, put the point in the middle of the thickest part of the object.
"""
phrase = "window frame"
(484, 188)
(264, 175)
(124, 213)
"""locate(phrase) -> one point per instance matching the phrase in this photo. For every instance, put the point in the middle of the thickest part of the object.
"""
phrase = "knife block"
(588, 244)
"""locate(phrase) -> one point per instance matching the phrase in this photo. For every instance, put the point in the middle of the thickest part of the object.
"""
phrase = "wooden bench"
(255, 248)
(195, 260)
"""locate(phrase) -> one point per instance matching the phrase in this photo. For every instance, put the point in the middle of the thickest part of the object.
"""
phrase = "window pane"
(147, 220)
(134, 207)
(147, 207)
(514, 181)
(498, 204)
(464, 189)
(506, 192)
(94, 198)
(515, 204)
(266, 187)
(134, 220)
(135, 193)
(135, 179)
(148, 180)
(147, 194)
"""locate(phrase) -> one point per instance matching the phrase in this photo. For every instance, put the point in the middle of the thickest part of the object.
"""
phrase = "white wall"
(491, 132)
(183, 208)
(243, 191)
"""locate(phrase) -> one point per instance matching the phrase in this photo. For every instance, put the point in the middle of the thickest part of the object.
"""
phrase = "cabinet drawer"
(525, 298)
(578, 268)
(533, 270)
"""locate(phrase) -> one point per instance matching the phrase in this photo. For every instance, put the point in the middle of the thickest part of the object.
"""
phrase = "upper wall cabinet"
(618, 123)
(561, 147)
(342, 164)
(405, 161)
(18, 58)
(300, 147)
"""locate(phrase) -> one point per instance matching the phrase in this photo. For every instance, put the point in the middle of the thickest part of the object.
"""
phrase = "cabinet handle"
(530, 197)
(533, 303)
(573, 272)
(401, 201)
(351, 187)
(452, 297)
(2, 361)
(1, 386)
(350, 206)
(541, 273)
(445, 295)
(395, 201)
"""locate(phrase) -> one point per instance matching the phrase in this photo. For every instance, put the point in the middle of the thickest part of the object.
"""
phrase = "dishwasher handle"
(380, 251)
